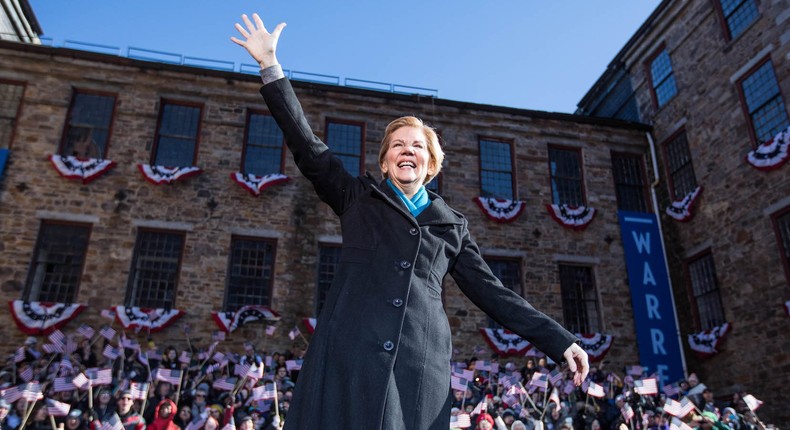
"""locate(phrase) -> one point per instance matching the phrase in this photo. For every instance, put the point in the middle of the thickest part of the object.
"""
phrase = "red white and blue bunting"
(681, 210)
(772, 154)
(500, 210)
(164, 175)
(310, 324)
(505, 342)
(596, 344)
(574, 218)
(153, 320)
(256, 184)
(37, 318)
(84, 169)
(230, 321)
(704, 343)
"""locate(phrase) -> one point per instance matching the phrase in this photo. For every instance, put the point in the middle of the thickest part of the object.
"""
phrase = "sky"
(531, 54)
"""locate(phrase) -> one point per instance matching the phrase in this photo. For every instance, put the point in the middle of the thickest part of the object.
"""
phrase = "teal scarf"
(416, 204)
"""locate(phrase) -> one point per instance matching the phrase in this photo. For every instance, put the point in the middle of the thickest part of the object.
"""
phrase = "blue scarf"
(416, 204)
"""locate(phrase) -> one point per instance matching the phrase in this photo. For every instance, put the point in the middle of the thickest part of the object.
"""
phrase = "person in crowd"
(130, 419)
(199, 401)
(39, 419)
(163, 391)
(103, 407)
(164, 414)
(184, 416)
(76, 421)
(170, 359)
(4, 408)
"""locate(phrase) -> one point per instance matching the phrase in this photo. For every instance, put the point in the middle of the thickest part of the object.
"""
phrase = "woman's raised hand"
(261, 44)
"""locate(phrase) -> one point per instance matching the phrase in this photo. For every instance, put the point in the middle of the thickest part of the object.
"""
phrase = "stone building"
(713, 80)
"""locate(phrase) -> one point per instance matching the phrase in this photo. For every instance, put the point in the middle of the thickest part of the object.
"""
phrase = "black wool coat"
(380, 355)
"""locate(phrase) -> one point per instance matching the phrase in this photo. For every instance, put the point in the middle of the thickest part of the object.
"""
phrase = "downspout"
(664, 248)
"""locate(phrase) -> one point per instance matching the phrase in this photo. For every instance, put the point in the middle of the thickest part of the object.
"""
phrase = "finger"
(279, 29)
(258, 22)
(242, 31)
(569, 359)
(248, 23)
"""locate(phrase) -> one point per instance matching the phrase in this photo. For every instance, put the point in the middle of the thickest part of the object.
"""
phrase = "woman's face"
(407, 161)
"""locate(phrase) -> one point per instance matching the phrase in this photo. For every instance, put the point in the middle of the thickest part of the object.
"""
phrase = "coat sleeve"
(333, 184)
(509, 309)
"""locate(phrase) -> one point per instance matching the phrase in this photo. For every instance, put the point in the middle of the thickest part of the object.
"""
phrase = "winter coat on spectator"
(160, 423)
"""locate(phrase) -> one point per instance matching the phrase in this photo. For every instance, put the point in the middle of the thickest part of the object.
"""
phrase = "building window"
(508, 270)
(10, 105)
(738, 14)
(681, 170)
(763, 101)
(436, 184)
(782, 226)
(250, 273)
(155, 267)
(88, 126)
(662, 78)
(496, 169)
(328, 257)
(177, 135)
(706, 298)
(345, 140)
(565, 168)
(579, 299)
(56, 269)
(263, 146)
(629, 182)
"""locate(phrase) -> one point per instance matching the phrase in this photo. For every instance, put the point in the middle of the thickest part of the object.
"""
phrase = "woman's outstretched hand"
(261, 44)
(578, 363)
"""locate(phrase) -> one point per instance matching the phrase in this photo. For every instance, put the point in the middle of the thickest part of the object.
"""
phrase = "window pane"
(628, 171)
(705, 289)
(566, 177)
(496, 170)
(88, 128)
(681, 169)
(10, 97)
(764, 102)
(177, 135)
(57, 263)
(328, 257)
(250, 274)
(345, 140)
(264, 146)
(579, 299)
(155, 268)
(508, 271)
(739, 14)
(663, 78)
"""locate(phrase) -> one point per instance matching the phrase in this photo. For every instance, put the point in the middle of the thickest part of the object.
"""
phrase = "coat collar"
(437, 213)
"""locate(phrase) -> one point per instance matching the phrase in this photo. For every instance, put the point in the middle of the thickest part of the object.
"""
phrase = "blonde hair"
(432, 141)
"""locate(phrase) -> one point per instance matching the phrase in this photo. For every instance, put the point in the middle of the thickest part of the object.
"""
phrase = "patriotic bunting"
(704, 343)
(84, 169)
(311, 322)
(595, 344)
(574, 218)
(256, 184)
(151, 319)
(504, 342)
(772, 154)
(680, 210)
(37, 318)
(230, 321)
(500, 210)
(158, 175)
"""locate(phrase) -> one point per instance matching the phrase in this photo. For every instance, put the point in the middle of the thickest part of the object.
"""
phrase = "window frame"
(363, 129)
(18, 113)
(283, 148)
(592, 326)
(135, 254)
(742, 97)
(582, 175)
(643, 173)
(725, 25)
(687, 262)
(777, 231)
(269, 288)
(69, 115)
(321, 245)
(39, 242)
(665, 152)
(162, 103)
(511, 144)
(649, 73)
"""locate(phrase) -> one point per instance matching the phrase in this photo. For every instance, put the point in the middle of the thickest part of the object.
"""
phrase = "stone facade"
(210, 208)
(733, 220)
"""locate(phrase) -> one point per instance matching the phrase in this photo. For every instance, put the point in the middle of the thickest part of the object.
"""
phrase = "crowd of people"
(103, 381)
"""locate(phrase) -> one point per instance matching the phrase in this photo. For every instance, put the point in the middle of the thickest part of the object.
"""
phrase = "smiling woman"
(382, 335)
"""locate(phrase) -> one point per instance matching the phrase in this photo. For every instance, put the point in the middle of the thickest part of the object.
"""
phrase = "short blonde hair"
(432, 140)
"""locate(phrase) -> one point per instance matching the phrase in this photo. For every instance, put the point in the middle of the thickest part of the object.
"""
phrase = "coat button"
(405, 264)
(413, 231)
(397, 303)
(388, 345)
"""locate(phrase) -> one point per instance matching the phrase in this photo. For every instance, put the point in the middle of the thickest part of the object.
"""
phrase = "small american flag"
(71, 346)
(270, 330)
(185, 357)
(218, 357)
(634, 370)
(569, 387)
(52, 348)
(508, 381)
(671, 389)
(483, 365)
(139, 390)
(480, 407)
(459, 383)
(595, 390)
(752, 403)
(479, 350)
(57, 337)
(113, 423)
(218, 335)
(677, 424)
(627, 411)
(130, 344)
(516, 390)
(679, 409)
(646, 387)
(19, 355)
(187, 329)
(292, 365)
(80, 381)
(142, 357)
(540, 380)
(26, 374)
(168, 375)
(462, 420)
(99, 376)
(224, 384)
(555, 377)
(264, 392)
(111, 353)
(57, 409)
(107, 332)
(466, 374)
(255, 372)
(11, 394)
(32, 392)
(86, 331)
(554, 397)
(109, 314)
(241, 369)
(62, 384)
(294, 333)
(153, 354)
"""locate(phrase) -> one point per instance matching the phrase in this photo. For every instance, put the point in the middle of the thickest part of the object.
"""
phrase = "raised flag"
(130, 344)
(57, 337)
(241, 369)
(294, 333)
(539, 380)
(480, 408)
(628, 412)
(256, 372)
(99, 376)
(646, 387)
(11, 394)
(677, 424)
(52, 348)
(679, 409)
(32, 392)
(26, 374)
(508, 381)
(634, 370)
(224, 384)
(752, 403)
(292, 365)
(185, 357)
(462, 420)
(218, 357)
(264, 392)
(466, 374)
(218, 336)
(19, 355)
(270, 330)
(57, 409)
(595, 390)
(516, 390)
(671, 390)
(555, 397)
(483, 365)
(60, 385)
(86, 331)
(154, 354)
(555, 377)
(169, 375)
(107, 332)
(139, 390)
(458, 383)
(80, 381)
(111, 353)
(112, 423)
(108, 313)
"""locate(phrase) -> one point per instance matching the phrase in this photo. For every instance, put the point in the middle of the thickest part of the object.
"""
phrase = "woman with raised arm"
(380, 355)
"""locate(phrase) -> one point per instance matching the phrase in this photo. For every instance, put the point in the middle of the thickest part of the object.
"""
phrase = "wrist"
(268, 61)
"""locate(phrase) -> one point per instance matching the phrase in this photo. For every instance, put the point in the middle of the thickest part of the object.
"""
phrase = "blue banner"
(3, 159)
(651, 297)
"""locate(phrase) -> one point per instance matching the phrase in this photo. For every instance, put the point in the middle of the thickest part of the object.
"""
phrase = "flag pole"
(529, 397)
(52, 421)
(27, 414)
(276, 402)
(178, 389)
(90, 394)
